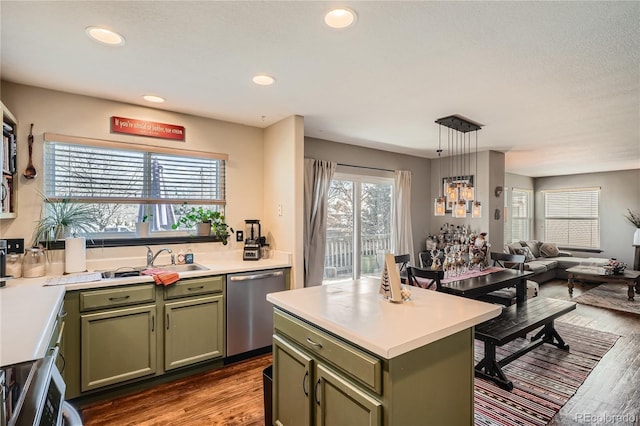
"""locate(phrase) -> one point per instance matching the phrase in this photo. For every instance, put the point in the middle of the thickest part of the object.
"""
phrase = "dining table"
(473, 286)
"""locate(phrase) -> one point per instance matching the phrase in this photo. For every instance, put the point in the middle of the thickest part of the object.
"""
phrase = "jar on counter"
(34, 263)
(14, 265)
(265, 251)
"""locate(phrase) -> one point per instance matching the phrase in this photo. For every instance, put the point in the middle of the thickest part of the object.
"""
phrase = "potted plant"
(66, 219)
(634, 219)
(142, 227)
(205, 220)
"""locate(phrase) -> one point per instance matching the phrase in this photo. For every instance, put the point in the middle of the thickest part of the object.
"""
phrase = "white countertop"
(356, 312)
(28, 308)
(27, 316)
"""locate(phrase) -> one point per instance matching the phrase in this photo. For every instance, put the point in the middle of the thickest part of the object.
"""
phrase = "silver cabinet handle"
(153, 323)
(167, 321)
(256, 276)
(315, 391)
(114, 299)
(314, 344)
(304, 382)
(195, 288)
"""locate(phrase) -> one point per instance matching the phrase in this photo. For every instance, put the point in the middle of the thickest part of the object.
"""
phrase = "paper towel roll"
(75, 255)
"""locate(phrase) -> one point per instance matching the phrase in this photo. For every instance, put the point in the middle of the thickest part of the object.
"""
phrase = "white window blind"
(521, 214)
(572, 217)
(112, 172)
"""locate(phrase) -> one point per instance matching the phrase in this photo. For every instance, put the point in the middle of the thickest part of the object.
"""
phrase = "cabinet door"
(117, 345)
(292, 381)
(194, 331)
(338, 402)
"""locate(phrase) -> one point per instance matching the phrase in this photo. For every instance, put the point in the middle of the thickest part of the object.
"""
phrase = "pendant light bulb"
(439, 206)
(477, 210)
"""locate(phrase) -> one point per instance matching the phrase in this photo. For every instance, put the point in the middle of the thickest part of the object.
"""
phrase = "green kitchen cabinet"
(336, 388)
(322, 379)
(339, 402)
(117, 345)
(109, 336)
(293, 378)
(193, 331)
(121, 337)
(194, 315)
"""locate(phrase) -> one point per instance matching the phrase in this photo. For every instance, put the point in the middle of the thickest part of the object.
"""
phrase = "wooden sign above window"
(151, 129)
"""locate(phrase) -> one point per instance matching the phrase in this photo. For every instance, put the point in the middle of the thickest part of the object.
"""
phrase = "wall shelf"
(8, 165)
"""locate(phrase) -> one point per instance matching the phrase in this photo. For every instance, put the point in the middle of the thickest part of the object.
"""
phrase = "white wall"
(366, 157)
(283, 190)
(619, 191)
(75, 115)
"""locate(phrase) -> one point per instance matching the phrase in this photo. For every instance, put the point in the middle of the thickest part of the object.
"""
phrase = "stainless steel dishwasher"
(249, 315)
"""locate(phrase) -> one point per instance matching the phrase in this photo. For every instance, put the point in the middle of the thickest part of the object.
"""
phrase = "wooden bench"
(516, 321)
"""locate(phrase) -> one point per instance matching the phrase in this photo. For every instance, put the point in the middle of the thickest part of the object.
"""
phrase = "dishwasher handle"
(256, 276)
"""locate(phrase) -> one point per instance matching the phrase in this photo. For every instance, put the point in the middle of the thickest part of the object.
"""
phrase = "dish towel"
(162, 277)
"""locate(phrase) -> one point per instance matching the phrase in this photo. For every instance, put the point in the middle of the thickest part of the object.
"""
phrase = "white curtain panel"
(402, 214)
(317, 181)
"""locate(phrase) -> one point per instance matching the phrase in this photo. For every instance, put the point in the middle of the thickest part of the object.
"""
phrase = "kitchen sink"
(135, 271)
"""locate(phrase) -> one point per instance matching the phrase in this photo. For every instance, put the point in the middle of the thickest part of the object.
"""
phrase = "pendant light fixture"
(440, 203)
(459, 191)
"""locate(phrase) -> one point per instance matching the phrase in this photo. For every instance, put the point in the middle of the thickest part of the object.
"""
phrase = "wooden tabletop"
(598, 271)
(478, 286)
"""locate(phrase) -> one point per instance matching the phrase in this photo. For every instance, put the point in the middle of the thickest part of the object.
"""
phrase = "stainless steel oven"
(33, 395)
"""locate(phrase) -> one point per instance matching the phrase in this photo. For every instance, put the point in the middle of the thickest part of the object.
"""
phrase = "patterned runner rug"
(610, 296)
(544, 379)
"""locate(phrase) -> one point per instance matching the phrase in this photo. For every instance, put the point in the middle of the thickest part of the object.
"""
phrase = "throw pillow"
(513, 247)
(534, 246)
(528, 256)
(549, 250)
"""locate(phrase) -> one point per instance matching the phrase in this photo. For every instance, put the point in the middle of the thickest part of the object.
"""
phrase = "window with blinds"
(126, 182)
(521, 214)
(572, 217)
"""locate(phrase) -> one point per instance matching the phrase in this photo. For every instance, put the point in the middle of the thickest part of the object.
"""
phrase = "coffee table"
(629, 277)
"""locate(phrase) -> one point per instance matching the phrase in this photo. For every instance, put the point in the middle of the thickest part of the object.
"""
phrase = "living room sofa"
(547, 262)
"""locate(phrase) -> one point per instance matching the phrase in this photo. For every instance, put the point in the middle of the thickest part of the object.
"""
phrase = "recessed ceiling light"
(263, 80)
(340, 18)
(105, 36)
(153, 98)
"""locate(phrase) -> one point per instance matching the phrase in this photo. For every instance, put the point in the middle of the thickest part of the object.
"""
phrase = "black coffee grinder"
(253, 241)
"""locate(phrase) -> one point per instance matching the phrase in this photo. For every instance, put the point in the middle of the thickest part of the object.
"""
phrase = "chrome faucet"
(152, 257)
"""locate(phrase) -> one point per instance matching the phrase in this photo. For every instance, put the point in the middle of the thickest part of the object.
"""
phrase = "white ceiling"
(556, 84)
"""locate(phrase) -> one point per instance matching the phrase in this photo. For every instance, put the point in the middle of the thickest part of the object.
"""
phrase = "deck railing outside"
(338, 259)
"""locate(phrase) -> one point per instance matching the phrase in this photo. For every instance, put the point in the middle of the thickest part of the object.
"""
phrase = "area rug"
(610, 296)
(544, 379)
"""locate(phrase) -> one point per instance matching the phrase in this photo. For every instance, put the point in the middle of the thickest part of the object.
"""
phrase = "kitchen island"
(342, 355)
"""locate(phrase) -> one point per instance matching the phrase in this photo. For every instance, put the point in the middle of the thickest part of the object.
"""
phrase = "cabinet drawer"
(194, 287)
(356, 363)
(121, 296)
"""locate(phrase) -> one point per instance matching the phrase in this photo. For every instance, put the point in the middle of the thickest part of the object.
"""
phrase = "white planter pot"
(142, 229)
(203, 229)
(636, 237)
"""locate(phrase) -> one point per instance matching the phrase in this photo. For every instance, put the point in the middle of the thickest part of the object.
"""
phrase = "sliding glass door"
(358, 227)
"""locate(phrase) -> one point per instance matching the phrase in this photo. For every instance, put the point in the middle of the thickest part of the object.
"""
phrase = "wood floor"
(233, 395)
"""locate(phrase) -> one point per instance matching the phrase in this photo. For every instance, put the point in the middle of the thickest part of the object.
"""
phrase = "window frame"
(346, 173)
(528, 218)
(569, 218)
(159, 237)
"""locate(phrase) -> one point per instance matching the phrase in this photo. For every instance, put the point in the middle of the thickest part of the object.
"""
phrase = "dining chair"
(403, 261)
(424, 278)
(505, 296)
